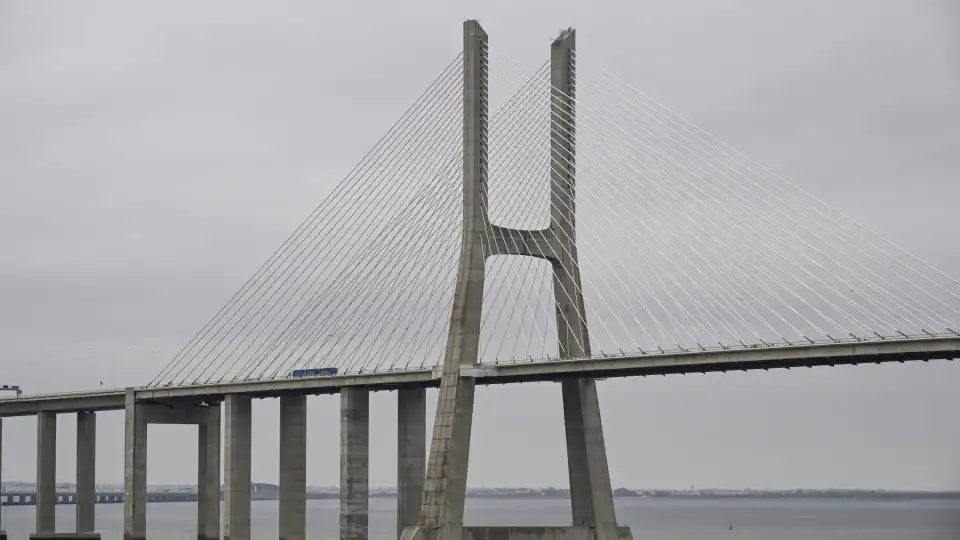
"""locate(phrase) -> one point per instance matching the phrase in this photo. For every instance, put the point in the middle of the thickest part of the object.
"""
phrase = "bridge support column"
(86, 496)
(354, 463)
(293, 467)
(46, 472)
(3, 535)
(135, 470)
(208, 475)
(237, 469)
(411, 455)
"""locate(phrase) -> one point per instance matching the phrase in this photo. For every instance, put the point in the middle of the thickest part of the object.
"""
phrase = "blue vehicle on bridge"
(314, 372)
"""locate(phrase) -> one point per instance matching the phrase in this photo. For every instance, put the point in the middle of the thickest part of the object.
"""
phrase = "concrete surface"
(135, 470)
(86, 496)
(237, 442)
(411, 455)
(354, 464)
(293, 467)
(208, 474)
(46, 472)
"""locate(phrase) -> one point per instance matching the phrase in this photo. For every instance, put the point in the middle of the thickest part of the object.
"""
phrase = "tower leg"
(591, 495)
(445, 484)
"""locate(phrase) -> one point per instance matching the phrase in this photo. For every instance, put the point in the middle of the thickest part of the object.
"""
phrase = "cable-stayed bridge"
(514, 225)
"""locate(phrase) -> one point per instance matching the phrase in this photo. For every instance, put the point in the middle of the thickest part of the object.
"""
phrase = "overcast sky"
(152, 156)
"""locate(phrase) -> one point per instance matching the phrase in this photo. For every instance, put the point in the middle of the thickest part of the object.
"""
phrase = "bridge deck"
(744, 359)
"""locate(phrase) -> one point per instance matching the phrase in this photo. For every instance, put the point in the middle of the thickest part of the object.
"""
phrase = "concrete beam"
(354, 464)
(86, 496)
(312, 385)
(293, 467)
(237, 469)
(208, 475)
(628, 365)
(164, 414)
(411, 455)
(725, 360)
(135, 470)
(111, 400)
(542, 244)
(46, 472)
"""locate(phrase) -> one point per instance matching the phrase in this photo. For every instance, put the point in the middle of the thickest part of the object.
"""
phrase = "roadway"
(623, 365)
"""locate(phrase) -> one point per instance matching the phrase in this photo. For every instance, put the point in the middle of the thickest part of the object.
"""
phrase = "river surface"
(651, 519)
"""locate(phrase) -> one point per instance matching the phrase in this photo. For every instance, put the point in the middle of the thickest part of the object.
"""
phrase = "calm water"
(650, 519)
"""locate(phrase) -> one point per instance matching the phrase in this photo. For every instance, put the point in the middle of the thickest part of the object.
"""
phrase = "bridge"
(581, 231)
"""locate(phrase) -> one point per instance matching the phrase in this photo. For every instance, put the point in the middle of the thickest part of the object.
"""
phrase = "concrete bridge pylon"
(444, 492)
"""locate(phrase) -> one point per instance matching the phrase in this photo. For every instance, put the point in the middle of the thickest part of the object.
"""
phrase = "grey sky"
(152, 156)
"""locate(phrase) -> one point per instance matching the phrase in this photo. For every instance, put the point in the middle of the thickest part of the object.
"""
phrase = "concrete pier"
(236, 502)
(354, 463)
(293, 467)
(206, 416)
(46, 472)
(3, 535)
(411, 455)
(135, 470)
(208, 474)
(86, 497)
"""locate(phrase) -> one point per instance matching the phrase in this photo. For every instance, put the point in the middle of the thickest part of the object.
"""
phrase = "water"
(651, 519)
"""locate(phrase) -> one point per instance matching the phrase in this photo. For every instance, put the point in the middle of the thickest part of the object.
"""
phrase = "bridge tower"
(445, 484)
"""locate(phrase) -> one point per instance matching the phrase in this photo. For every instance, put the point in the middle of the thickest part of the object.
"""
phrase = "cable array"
(361, 284)
(686, 244)
(683, 244)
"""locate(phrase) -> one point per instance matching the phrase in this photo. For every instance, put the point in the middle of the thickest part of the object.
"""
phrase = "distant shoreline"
(265, 491)
(780, 496)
